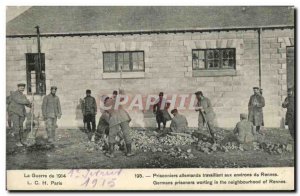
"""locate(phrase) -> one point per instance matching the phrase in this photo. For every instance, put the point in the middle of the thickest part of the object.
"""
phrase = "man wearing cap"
(255, 109)
(119, 120)
(89, 111)
(206, 113)
(290, 113)
(179, 122)
(244, 130)
(51, 112)
(17, 111)
(160, 108)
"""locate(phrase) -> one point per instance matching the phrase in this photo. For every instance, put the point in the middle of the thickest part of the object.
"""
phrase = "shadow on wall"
(282, 123)
(78, 115)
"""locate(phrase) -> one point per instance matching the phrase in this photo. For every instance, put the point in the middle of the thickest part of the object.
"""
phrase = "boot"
(129, 153)
(110, 152)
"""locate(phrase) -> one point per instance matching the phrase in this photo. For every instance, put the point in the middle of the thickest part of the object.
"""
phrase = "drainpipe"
(39, 85)
(259, 56)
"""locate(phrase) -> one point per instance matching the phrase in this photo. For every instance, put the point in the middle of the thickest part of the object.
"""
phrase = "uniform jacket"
(179, 123)
(51, 106)
(103, 124)
(289, 104)
(244, 131)
(18, 101)
(162, 111)
(255, 108)
(207, 107)
(89, 106)
(117, 115)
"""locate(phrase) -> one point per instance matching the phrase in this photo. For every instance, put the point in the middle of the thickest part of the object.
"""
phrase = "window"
(36, 79)
(212, 59)
(125, 61)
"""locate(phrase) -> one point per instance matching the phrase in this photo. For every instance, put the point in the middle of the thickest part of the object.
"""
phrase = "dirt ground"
(73, 151)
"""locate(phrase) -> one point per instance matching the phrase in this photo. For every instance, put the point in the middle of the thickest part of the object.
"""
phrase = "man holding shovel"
(18, 112)
(206, 113)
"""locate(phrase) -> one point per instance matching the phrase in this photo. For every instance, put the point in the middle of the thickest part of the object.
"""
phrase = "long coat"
(117, 115)
(244, 131)
(208, 110)
(51, 106)
(17, 104)
(255, 109)
(289, 104)
(89, 106)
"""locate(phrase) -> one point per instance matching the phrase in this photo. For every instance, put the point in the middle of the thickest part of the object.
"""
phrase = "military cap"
(243, 116)
(88, 91)
(255, 87)
(174, 111)
(198, 93)
(53, 87)
(21, 84)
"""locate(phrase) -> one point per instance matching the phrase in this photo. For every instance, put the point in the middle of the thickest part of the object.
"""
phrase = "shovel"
(208, 127)
(30, 141)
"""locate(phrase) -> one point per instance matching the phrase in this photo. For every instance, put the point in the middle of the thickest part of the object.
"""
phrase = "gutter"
(201, 30)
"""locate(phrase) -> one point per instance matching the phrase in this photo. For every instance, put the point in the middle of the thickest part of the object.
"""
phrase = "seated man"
(244, 130)
(179, 122)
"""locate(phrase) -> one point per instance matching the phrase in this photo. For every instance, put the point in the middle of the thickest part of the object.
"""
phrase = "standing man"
(255, 108)
(290, 113)
(89, 111)
(206, 113)
(17, 111)
(160, 108)
(179, 122)
(119, 119)
(8, 117)
(51, 112)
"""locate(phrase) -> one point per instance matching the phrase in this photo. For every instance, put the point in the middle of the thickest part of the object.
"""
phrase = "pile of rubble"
(273, 148)
(153, 142)
(179, 146)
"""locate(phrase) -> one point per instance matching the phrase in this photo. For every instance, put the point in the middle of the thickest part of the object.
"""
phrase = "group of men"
(51, 110)
(115, 121)
(245, 130)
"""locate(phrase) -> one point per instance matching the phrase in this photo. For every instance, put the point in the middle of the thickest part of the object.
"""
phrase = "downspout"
(259, 56)
(39, 85)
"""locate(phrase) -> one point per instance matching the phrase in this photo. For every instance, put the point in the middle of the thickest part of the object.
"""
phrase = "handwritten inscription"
(96, 178)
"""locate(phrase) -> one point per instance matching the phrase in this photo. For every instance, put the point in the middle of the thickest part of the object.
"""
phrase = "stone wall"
(75, 64)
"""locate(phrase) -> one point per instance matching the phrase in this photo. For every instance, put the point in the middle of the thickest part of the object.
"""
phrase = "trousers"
(50, 128)
(113, 132)
(18, 126)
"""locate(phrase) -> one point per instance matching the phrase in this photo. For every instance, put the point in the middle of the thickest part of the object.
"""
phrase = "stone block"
(211, 43)
(209, 35)
(227, 35)
(200, 44)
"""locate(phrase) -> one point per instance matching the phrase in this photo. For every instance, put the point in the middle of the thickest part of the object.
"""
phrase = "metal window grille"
(36, 78)
(214, 59)
(127, 61)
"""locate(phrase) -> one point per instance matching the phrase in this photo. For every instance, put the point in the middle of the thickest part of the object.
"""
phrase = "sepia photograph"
(105, 90)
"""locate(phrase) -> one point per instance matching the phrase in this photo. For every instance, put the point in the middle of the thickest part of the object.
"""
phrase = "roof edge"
(153, 31)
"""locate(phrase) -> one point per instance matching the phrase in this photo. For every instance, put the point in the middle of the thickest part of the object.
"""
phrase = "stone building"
(223, 51)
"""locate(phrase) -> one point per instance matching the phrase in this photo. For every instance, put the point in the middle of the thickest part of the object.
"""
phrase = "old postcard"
(150, 98)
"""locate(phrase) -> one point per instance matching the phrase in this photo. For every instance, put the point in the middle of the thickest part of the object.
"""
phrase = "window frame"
(220, 59)
(28, 73)
(117, 70)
